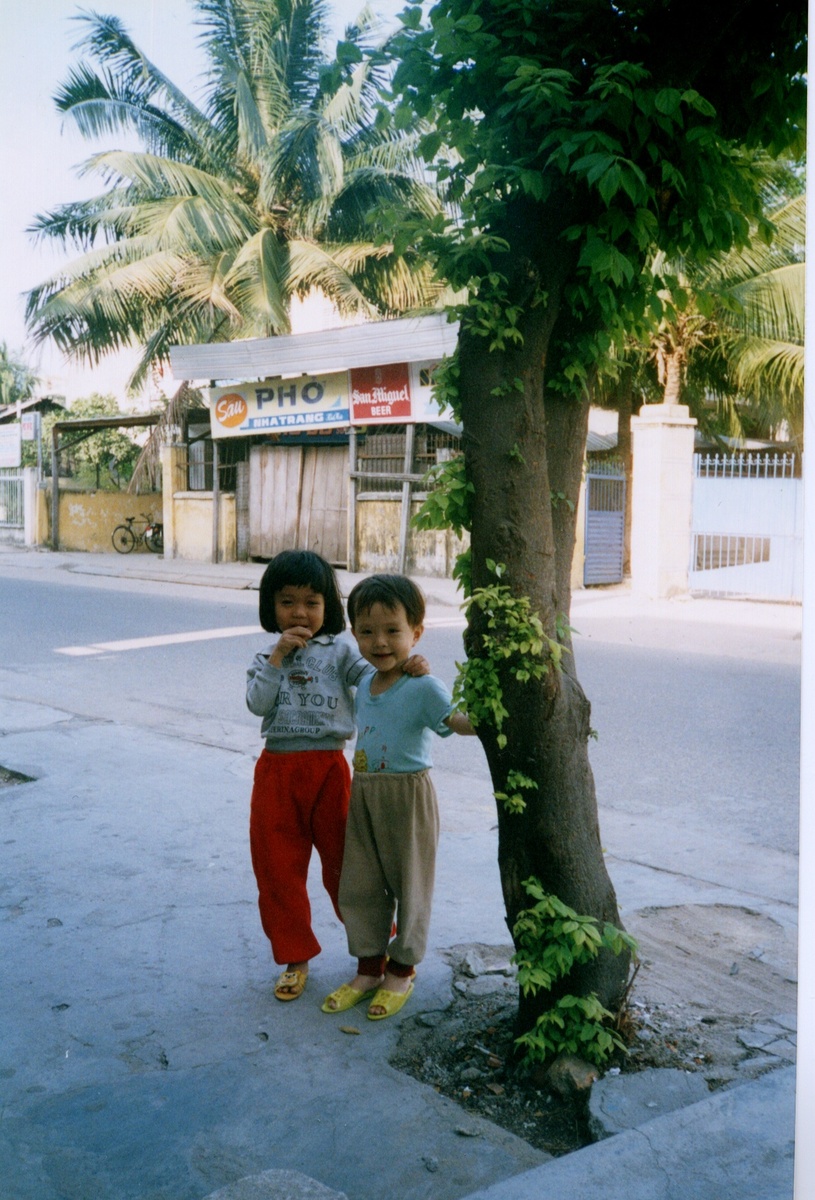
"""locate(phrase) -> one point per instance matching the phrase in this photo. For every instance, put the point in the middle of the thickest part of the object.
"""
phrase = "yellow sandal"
(392, 1002)
(291, 984)
(346, 997)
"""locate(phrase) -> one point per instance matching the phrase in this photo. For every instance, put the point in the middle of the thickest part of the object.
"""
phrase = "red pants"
(298, 801)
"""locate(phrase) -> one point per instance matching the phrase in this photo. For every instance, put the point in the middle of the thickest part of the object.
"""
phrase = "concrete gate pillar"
(30, 506)
(173, 479)
(662, 489)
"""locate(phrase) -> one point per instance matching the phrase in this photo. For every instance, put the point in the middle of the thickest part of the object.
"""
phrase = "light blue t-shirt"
(395, 730)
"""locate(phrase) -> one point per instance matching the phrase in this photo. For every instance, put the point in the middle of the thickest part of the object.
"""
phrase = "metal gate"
(747, 527)
(605, 524)
(12, 510)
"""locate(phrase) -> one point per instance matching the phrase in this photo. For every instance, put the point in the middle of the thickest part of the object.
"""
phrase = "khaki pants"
(389, 865)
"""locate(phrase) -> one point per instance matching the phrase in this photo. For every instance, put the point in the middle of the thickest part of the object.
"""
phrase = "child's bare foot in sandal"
(292, 982)
(361, 987)
(393, 985)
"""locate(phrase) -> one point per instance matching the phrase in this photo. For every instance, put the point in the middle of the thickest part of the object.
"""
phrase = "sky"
(40, 157)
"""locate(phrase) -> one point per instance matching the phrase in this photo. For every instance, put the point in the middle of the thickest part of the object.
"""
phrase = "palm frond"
(330, 269)
(786, 246)
(372, 191)
(306, 24)
(118, 304)
(399, 285)
(305, 163)
(265, 63)
(252, 136)
(82, 222)
(768, 367)
(203, 285)
(193, 225)
(771, 304)
(257, 282)
(399, 154)
(154, 176)
(107, 40)
(98, 106)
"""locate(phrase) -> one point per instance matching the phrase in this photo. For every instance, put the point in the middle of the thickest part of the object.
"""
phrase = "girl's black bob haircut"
(301, 568)
(392, 592)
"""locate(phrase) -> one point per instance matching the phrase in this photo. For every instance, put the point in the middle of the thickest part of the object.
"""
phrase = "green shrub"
(551, 938)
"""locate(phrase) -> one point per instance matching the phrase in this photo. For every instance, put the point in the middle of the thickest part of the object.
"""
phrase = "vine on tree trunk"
(511, 639)
(551, 938)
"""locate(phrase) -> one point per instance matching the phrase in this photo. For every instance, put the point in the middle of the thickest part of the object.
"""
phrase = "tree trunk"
(520, 451)
(624, 397)
(672, 376)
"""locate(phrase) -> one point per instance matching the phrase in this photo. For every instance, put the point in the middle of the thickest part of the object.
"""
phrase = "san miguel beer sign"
(380, 394)
(280, 405)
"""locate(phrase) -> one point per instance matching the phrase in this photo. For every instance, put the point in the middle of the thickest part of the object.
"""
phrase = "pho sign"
(280, 405)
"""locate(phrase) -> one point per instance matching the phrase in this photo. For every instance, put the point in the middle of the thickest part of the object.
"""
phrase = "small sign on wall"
(11, 445)
(30, 426)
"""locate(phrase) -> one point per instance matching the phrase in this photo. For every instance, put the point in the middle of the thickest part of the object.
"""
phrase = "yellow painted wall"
(188, 515)
(87, 519)
(42, 517)
(192, 520)
(430, 552)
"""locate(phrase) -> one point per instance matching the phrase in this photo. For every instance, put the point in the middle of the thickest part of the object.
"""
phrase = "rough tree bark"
(520, 449)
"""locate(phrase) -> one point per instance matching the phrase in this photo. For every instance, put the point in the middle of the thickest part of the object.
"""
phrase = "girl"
(301, 687)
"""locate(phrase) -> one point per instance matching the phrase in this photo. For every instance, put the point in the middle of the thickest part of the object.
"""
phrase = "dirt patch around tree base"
(715, 993)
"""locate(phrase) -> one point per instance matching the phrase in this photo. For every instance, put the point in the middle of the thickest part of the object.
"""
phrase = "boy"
(389, 862)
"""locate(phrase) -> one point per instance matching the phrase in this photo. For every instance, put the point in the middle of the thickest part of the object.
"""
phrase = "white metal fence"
(12, 511)
(747, 527)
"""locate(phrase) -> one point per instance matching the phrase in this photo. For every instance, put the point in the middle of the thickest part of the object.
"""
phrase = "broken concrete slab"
(276, 1185)
(735, 1145)
(620, 1102)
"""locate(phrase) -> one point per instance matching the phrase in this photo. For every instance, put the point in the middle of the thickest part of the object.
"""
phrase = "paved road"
(705, 741)
(141, 1053)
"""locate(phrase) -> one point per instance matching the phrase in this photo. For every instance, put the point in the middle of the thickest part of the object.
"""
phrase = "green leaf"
(669, 101)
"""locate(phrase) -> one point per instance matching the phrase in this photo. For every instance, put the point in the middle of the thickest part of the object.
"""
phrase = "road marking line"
(165, 639)
(200, 635)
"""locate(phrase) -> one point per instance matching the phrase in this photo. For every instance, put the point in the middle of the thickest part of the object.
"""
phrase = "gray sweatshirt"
(307, 704)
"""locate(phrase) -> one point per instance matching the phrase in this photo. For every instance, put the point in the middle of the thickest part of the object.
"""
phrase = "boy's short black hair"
(301, 568)
(391, 591)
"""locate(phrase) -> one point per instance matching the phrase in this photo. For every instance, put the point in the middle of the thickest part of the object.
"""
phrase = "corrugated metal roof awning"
(596, 443)
(375, 344)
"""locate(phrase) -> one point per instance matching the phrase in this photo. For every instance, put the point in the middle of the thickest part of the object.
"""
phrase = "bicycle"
(125, 538)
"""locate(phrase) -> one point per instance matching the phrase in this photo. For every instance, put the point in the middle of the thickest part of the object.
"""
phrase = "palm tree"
(17, 380)
(737, 338)
(761, 321)
(732, 331)
(277, 185)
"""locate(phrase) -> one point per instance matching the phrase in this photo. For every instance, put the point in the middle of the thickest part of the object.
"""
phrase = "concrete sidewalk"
(610, 603)
(143, 1057)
